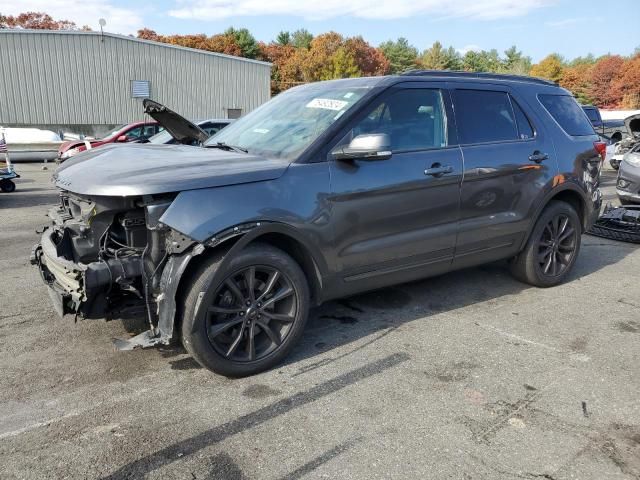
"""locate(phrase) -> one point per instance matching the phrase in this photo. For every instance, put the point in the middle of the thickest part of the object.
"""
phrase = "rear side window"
(484, 116)
(592, 114)
(566, 111)
(525, 130)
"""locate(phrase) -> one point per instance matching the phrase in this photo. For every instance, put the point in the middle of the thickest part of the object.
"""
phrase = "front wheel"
(552, 248)
(244, 316)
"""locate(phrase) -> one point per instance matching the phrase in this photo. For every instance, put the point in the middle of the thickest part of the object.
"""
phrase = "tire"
(548, 258)
(7, 186)
(218, 324)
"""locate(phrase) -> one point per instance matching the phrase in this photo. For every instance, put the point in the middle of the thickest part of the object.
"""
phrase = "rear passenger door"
(508, 160)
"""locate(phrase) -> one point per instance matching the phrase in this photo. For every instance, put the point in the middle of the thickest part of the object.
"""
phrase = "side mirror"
(374, 146)
(122, 139)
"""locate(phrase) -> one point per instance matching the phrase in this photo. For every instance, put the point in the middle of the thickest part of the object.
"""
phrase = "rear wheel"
(245, 318)
(552, 248)
(7, 186)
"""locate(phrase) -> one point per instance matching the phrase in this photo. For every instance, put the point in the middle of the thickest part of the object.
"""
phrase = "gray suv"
(327, 190)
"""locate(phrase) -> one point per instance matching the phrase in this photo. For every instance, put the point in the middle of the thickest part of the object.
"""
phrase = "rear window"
(484, 116)
(592, 114)
(566, 111)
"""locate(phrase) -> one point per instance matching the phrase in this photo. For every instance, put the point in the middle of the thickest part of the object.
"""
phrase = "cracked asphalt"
(469, 375)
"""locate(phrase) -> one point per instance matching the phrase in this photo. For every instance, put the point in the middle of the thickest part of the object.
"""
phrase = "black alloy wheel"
(243, 313)
(552, 247)
(557, 245)
(252, 313)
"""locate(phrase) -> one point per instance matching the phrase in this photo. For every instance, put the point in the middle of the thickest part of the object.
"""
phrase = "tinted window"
(414, 119)
(484, 116)
(566, 111)
(592, 114)
(525, 130)
(134, 133)
(211, 128)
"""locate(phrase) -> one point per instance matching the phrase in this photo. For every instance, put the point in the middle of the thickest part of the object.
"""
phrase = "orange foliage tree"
(626, 85)
(603, 74)
(577, 79)
(37, 21)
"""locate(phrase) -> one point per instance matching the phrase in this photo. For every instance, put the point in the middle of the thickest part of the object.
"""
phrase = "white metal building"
(88, 81)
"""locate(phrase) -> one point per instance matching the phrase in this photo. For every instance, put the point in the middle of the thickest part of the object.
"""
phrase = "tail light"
(601, 149)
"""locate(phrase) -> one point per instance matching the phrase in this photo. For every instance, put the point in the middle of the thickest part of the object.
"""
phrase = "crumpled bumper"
(63, 278)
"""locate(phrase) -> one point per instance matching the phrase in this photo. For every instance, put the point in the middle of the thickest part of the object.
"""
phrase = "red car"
(131, 132)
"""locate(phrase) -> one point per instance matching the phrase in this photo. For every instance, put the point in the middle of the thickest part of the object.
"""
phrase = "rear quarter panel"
(578, 162)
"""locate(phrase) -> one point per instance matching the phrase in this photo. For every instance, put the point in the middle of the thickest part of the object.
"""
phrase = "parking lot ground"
(469, 375)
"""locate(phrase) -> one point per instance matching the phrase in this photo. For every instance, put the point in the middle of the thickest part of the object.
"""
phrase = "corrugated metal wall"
(84, 78)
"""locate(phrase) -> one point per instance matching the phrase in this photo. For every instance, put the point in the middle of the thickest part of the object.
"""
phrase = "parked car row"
(327, 190)
(167, 127)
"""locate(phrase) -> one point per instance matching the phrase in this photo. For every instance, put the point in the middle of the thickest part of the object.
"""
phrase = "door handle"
(538, 156)
(438, 170)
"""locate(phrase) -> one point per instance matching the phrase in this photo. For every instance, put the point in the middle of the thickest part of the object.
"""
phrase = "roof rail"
(481, 75)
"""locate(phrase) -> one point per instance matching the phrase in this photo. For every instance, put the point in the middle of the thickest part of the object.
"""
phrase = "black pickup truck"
(613, 130)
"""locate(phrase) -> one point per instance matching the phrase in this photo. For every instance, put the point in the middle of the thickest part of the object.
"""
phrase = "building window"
(140, 88)
(234, 112)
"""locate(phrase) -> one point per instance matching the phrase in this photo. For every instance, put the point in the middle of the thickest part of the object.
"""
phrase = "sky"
(537, 27)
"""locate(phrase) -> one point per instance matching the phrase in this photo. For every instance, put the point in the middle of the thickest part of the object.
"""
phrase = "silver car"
(628, 185)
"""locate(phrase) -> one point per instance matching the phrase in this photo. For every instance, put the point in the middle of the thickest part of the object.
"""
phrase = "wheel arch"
(567, 193)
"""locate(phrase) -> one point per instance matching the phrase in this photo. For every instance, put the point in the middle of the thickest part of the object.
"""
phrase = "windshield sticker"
(348, 95)
(260, 130)
(327, 104)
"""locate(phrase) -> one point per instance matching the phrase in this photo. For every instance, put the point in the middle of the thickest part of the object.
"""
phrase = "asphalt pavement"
(470, 375)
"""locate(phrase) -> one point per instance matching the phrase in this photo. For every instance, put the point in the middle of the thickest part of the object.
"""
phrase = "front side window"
(286, 125)
(484, 116)
(566, 111)
(414, 119)
(134, 133)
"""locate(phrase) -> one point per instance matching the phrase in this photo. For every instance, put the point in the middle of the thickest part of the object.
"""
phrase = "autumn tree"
(577, 79)
(626, 85)
(549, 67)
(283, 73)
(369, 60)
(401, 55)
(221, 43)
(605, 70)
(36, 21)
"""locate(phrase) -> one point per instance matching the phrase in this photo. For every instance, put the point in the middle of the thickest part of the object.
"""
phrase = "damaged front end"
(104, 257)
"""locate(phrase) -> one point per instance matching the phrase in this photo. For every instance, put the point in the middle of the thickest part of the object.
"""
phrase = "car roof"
(214, 120)
(137, 124)
(454, 74)
(443, 75)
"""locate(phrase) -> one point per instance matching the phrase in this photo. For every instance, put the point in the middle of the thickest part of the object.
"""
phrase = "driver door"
(396, 219)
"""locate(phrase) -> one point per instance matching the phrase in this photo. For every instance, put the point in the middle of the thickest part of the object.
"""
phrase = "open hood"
(633, 124)
(180, 128)
(131, 169)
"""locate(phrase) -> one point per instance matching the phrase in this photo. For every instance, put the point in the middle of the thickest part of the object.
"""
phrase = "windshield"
(162, 137)
(114, 131)
(286, 125)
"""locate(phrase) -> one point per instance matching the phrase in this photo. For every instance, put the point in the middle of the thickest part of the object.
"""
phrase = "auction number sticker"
(327, 104)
